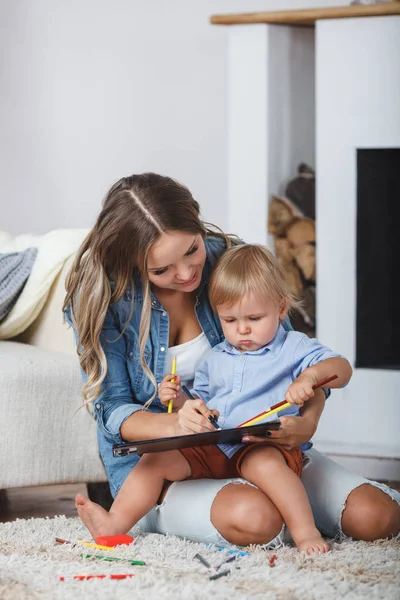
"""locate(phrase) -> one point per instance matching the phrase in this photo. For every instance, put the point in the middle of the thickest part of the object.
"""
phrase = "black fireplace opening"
(378, 259)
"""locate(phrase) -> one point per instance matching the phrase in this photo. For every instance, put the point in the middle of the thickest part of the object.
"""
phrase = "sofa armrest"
(49, 332)
(44, 438)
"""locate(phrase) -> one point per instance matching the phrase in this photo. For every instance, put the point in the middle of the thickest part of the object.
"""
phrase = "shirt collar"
(274, 346)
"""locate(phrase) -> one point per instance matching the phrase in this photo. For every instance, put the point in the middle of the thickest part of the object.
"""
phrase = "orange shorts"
(209, 462)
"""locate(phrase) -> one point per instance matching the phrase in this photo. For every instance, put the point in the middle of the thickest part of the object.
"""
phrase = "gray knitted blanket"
(15, 268)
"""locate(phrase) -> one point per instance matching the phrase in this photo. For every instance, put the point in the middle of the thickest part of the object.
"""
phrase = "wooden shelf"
(308, 17)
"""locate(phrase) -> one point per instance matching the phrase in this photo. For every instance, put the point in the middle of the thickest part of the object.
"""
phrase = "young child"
(258, 365)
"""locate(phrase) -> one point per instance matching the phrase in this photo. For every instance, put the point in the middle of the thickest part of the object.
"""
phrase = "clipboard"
(210, 438)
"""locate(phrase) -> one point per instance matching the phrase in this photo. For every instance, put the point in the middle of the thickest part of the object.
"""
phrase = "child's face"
(251, 323)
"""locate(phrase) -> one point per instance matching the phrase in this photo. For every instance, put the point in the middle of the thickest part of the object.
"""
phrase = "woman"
(137, 295)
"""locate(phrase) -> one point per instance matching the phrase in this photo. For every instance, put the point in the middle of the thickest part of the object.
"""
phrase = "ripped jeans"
(186, 508)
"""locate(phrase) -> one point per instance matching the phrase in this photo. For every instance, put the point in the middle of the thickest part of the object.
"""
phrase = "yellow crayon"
(90, 544)
(173, 371)
(109, 548)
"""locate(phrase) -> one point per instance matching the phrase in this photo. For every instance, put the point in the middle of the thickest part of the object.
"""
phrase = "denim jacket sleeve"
(115, 402)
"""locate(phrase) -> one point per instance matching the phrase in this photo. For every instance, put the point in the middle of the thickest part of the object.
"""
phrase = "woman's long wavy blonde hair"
(136, 211)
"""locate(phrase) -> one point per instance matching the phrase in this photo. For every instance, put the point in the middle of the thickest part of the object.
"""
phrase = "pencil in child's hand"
(212, 419)
(281, 405)
(173, 371)
(188, 394)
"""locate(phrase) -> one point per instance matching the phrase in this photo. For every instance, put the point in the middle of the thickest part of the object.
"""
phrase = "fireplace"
(378, 259)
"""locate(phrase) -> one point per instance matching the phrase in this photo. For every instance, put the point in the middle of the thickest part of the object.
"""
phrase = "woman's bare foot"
(313, 544)
(95, 517)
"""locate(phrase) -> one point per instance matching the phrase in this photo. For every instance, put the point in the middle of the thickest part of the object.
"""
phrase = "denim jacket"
(126, 388)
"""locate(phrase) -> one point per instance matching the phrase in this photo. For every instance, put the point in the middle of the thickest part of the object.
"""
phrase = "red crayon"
(112, 576)
(114, 540)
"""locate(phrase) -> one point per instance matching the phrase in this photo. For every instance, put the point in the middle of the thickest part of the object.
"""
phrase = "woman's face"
(176, 260)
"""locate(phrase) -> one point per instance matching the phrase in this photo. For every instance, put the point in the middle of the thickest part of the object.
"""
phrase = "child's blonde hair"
(249, 269)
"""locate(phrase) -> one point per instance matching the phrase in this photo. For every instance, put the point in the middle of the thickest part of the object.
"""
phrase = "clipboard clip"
(125, 451)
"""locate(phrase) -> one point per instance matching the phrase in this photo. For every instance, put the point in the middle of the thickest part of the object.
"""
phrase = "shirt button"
(130, 353)
(162, 349)
(153, 303)
(98, 406)
(164, 314)
(212, 336)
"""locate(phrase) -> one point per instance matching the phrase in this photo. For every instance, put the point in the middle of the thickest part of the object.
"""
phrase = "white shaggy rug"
(31, 564)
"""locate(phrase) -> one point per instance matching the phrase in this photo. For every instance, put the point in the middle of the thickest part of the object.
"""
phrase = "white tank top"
(188, 357)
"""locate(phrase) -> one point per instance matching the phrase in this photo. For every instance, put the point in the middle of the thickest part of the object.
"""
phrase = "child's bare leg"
(138, 494)
(267, 469)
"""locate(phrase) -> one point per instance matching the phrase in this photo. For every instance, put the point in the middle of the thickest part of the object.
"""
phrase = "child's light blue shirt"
(241, 385)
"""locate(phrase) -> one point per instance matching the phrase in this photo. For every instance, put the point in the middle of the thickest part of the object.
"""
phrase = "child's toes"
(324, 547)
(318, 548)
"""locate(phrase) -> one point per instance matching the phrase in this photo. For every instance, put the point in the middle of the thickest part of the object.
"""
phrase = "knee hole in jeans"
(244, 515)
(370, 514)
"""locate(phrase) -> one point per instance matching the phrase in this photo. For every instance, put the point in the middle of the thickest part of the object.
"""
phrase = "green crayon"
(113, 559)
(218, 575)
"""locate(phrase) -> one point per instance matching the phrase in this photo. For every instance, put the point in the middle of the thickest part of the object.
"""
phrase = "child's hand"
(301, 390)
(168, 390)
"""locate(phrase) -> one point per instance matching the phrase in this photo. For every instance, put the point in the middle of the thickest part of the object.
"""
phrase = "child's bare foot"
(95, 517)
(314, 544)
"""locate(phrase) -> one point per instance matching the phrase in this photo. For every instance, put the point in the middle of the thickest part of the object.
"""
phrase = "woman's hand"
(295, 431)
(193, 418)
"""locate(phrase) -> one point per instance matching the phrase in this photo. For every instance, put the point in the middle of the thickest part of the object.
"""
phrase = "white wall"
(358, 99)
(271, 119)
(91, 90)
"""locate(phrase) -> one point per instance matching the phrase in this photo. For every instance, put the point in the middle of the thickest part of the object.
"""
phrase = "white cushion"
(49, 331)
(42, 441)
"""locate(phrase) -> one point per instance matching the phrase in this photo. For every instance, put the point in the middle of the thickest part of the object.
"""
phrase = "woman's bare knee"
(370, 514)
(244, 515)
